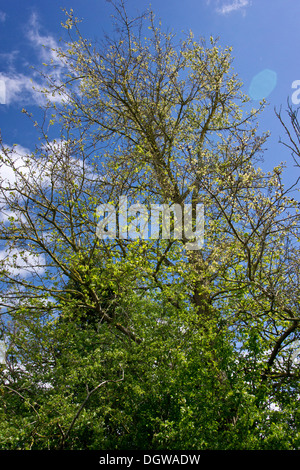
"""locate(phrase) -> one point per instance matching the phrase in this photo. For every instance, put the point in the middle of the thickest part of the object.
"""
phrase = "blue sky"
(264, 34)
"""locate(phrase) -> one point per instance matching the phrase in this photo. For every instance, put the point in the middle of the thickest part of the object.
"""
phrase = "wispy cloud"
(226, 7)
(45, 45)
(25, 88)
(20, 88)
(22, 263)
(2, 16)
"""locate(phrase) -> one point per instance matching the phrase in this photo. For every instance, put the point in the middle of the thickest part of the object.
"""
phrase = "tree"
(187, 348)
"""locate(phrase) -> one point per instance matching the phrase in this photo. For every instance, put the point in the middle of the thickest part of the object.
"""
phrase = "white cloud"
(6, 215)
(21, 88)
(2, 16)
(227, 7)
(22, 263)
(20, 168)
(9, 169)
(46, 45)
(2, 92)
(9, 58)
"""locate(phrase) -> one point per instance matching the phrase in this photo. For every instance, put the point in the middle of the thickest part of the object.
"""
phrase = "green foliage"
(146, 344)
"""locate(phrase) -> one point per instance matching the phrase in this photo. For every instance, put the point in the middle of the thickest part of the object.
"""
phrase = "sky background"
(264, 34)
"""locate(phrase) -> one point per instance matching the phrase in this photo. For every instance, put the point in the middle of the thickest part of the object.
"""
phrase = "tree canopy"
(123, 343)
